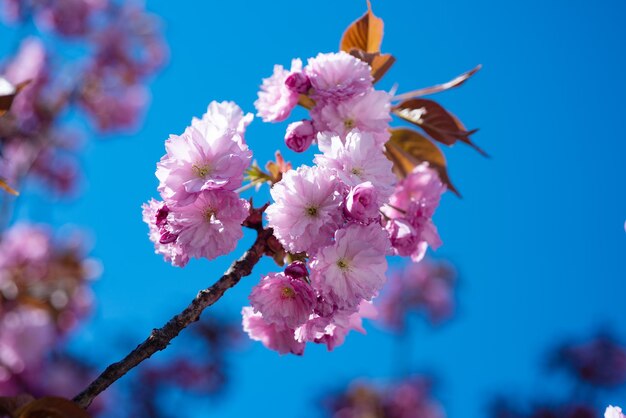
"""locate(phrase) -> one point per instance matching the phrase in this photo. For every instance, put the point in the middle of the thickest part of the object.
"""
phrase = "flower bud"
(297, 270)
(298, 82)
(361, 202)
(167, 237)
(161, 216)
(300, 135)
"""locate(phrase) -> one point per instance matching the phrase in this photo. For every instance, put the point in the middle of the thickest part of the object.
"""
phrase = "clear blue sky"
(538, 238)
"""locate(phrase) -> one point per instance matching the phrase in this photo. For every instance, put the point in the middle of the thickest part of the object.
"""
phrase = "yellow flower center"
(343, 265)
(287, 293)
(202, 170)
(311, 211)
(357, 171)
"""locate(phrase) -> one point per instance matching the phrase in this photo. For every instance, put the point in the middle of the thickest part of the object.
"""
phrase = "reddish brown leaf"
(456, 82)
(436, 121)
(4, 186)
(407, 148)
(8, 91)
(7, 94)
(277, 168)
(366, 33)
(380, 63)
(10, 404)
(51, 407)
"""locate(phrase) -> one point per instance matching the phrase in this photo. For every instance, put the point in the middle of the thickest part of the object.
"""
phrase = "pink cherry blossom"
(368, 112)
(337, 76)
(281, 340)
(613, 412)
(362, 203)
(221, 119)
(410, 212)
(300, 135)
(284, 301)
(353, 267)
(195, 162)
(276, 98)
(343, 322)
(423, 186)
(211, 225)
(170, 251)
(305, 212)
(356, 160)
(405, 239)
(332, 330)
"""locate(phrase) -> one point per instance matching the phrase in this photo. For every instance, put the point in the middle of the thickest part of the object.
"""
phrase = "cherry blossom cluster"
(44, 293)
(200, 214)
(411, 397)
(340, 217)
(107, 84)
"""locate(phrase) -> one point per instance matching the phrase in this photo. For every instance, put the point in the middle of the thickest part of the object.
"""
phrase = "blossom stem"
(248, 186)
(396, 208)
(160, 338)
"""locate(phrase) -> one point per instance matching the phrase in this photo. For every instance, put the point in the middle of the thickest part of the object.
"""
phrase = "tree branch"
(160, 338)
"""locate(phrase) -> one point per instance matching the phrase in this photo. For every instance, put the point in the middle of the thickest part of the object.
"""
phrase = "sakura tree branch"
(160, 338)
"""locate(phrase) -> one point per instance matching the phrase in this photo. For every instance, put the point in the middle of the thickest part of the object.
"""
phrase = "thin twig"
(160, 338)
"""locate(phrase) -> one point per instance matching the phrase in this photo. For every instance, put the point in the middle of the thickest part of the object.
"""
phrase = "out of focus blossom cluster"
(507, 409)
(197, 366)
(44, 293)
(122, 47)
(424, 288)
(600, 361)
(408, 398)
(595, 367)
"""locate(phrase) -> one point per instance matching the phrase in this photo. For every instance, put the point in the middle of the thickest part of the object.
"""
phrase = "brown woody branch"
(160, 338)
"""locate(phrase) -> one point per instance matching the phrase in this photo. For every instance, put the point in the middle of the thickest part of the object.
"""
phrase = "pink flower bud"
(300, 135)
(167, 237)
(298, 82)
(361, 202)
(297, 270)
(161, 216)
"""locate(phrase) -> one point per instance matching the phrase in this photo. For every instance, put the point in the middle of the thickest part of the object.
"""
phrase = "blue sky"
(538, 237)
